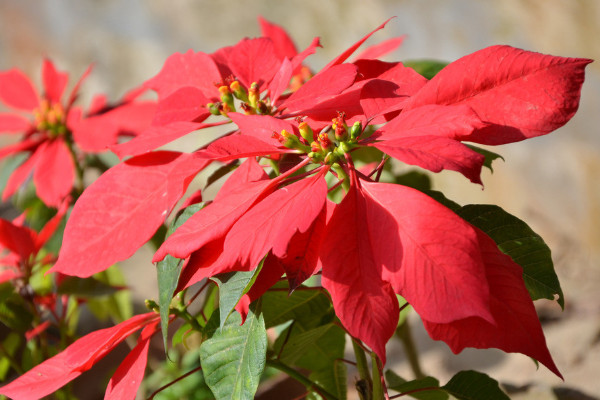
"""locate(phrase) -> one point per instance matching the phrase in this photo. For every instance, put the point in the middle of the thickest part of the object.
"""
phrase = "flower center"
(50, 118)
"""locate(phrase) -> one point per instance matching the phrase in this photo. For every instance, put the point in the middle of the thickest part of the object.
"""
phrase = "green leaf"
(443, 200)
(473, 385)
(312, 349)
(426, 68)
(305, 306)
(414, 179)
(117, 306)
(10, 345)
(14, 314)
(415, 387)
(233, 359)
(489, 156)
(232, 286)
(168, 271)
(515, 238)
(221, 172)
(333, 379)
(8, 167)
(85, 287)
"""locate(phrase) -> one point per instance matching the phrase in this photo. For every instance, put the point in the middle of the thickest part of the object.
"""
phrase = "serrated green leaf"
(168, 271)
(232, 286)
(415, 387)
(233, 359)
(473, 385)
(302, 305)
(85, 287)
(426, 68)
(489, 156)
(515, 238)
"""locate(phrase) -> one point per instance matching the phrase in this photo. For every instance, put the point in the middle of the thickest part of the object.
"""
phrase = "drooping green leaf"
(302, 305)
(473, 385)
(168, 271)
(416, 387)
(234, 357)
(426, 68)
(232, 286)
(86, 287)
(489, 156)
(333, 379)
(515, 238)
(312, 349)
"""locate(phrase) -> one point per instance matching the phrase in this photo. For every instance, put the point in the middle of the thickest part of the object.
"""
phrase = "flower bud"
(355, 131)
(239, 91)
(253, 95)
(306, 132)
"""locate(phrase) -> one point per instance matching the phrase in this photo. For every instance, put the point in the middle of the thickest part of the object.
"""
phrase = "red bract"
(49, 136)
(79, 357)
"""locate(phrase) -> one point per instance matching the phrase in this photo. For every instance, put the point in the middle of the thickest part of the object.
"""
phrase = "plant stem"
(362, 366)
(160, 389)
(292, 373)
(377, 378)
(404, 334)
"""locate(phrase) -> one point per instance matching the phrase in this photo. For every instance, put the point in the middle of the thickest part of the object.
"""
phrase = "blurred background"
(551, 182)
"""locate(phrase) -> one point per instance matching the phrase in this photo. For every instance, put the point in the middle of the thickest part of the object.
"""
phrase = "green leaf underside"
(232, 286)
(234, 357)
(416, 387)
(168, 271)
(426, 68)
(515, 238)
(489, 156)
(472, 385)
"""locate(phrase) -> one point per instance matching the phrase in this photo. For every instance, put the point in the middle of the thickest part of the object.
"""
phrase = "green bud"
(152, 305)
(355, 131)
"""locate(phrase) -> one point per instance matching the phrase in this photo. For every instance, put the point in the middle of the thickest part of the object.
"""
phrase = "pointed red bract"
(274, 221)
(54, 172)
(16, 90)
(79, 357)
(516, 329)
(261, 126)
(240, 146)
(126, 380)
(365, 304)
(381, 49)
(11, 123)
(521, 94)
(283, 45)
(17, 239)
(54, 81)
(254, 60)
(189, 69)
(185, 104)
(429, 254)
(121, 210)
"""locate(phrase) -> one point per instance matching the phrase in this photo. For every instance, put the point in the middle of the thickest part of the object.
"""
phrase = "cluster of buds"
(50, 118)
(249, 100)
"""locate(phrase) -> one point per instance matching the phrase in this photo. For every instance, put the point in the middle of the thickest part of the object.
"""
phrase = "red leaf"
(121, 210)
(12, 123)
(274, 221)
(185, 104)
(249, 171)
(516, 328)
(240, 146)
(381, 49)
(429, 254)
(254, 60)
(54, 172)
(54, 81)
(348, 52)
(435, 154)
(280, 81)
(520, 93)
(17, 239)
(321, 87)
(261, 126)
(283, 45)
(189, 69)
(154, 137)
(79, 357)
(365, 304)
(126, 380)
(16, 90)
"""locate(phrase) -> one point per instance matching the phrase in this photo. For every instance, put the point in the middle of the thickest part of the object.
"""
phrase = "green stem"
(377, 381)
(78, 168)
(404, 334)
(363, 367)
(310, 385)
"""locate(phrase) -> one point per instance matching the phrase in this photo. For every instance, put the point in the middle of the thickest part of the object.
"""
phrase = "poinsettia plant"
(314, 240)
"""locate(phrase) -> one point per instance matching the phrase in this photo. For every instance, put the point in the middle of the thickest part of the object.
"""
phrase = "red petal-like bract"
(240, 146)
(79, 357)
(189, 69)
(380, 49)
(126, 380)
(16, 90)
(254, 60)
(261, 126)
(516, 328)
(54, 172)
(429, 254)
(121, 210)
(12, 123)
(17, 239)
(520, 93)
(274, 221)
(365, 304)
(283, 45)
(54, 82)
(185, 104)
